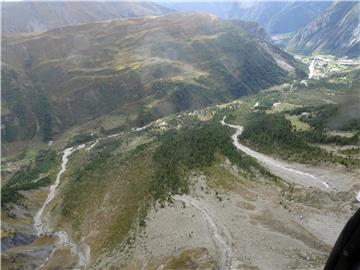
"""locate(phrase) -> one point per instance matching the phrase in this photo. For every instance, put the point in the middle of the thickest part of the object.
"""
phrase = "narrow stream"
(41, 227)
(279, 168)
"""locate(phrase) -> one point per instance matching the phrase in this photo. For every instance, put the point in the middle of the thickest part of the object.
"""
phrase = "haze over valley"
(178, 135)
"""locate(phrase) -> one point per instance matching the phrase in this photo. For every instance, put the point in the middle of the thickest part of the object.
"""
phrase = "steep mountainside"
(274, 17)
(40, 15)
(278, 17)
(136, 69)
(336, 31)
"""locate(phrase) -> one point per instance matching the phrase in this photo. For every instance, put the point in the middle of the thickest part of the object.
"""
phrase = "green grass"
(297, 123)
(283, 107)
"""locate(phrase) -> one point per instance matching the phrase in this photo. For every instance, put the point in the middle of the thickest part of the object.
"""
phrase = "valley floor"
(226, 221)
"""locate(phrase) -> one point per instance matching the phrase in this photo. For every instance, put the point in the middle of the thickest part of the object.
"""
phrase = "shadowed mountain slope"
(140, 69)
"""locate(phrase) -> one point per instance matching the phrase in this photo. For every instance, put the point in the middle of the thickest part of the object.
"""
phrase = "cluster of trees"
(273, 130)
(316, 136)
(24, 179)
(189, 149)
(319, 118)
(274, 133)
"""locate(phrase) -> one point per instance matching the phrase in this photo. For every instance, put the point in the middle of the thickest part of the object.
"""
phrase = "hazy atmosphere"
(169, 135)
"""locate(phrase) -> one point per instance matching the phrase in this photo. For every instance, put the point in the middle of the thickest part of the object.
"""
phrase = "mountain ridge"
(274, 17)
(335, 32)
(144, 66)
(40, 16)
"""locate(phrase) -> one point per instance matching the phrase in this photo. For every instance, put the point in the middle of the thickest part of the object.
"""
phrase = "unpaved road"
(296, 173)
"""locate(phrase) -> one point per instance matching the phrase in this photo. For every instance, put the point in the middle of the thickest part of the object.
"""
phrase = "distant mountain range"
(303, 27)
(336, 31)
(147, 67)
(141, 68)
(35, 16)
(274, 17)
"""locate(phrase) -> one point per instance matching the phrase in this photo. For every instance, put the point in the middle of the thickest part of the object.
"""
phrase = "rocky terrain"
(322, 27)
(335, 32)
(274, 17)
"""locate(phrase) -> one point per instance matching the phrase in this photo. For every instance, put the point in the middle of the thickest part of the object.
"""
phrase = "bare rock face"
(276, 17)
(336, 31)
